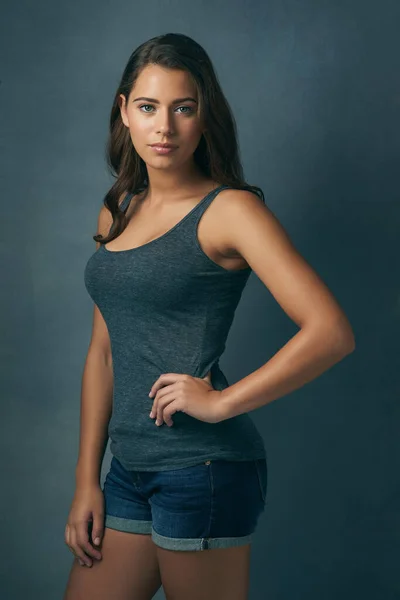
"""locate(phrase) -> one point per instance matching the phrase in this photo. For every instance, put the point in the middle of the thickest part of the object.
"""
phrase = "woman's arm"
(96, 405)
(325, 336)
(97, 391)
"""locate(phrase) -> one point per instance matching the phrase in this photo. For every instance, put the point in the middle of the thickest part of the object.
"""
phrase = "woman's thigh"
(203, 521)
(128, 569)
(200, 520)
(217, 574)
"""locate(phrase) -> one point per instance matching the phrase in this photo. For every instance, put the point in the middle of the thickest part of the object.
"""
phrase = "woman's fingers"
(76, 549)
(82, 538)
(98, 527)
(77, 539)
(86, 517)
(66, 534)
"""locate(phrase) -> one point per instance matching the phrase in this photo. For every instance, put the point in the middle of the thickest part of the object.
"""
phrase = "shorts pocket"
(262, 473)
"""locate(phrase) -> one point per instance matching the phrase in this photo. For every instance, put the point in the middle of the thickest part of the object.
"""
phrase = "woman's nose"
(165, 121)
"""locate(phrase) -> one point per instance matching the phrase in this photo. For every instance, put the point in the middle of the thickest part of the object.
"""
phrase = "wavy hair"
(217, 154)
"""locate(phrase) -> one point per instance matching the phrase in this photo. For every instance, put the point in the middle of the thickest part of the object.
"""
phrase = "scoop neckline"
(127, 250)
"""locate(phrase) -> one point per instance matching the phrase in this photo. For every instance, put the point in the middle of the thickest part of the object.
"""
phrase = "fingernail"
(81, 562)
(97, 541)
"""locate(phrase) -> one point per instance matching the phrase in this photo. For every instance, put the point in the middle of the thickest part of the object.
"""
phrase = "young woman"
(178, 236)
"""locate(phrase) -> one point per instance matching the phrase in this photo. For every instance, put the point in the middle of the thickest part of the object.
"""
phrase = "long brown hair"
(217, 153)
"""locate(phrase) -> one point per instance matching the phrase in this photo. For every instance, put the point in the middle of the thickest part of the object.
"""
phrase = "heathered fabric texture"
(168, 309)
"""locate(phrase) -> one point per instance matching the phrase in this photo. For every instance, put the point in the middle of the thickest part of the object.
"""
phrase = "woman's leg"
(128, 570)
(214, 574)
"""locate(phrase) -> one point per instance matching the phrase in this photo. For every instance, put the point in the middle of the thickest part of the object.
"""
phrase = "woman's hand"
(87, 513)
(194, 396)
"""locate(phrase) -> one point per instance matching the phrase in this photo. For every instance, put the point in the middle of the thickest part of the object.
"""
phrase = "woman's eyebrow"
(177, 101)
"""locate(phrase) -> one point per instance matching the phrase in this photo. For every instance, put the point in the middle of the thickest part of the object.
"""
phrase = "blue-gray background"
(314, 86)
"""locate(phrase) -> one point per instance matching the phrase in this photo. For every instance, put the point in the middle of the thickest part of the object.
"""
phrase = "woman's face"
(152, 115)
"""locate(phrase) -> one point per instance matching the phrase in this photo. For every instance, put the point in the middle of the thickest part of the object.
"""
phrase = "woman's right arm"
(96, 404)
(96, 392)
(86, 517)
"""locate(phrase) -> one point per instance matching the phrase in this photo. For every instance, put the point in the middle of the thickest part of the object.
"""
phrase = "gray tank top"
(168, 308)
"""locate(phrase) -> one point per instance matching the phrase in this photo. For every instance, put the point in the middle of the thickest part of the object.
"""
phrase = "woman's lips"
(163, 149)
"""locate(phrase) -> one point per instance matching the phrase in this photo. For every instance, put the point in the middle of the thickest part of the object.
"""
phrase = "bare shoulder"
(240, 201)
(252, 229)
(230, 207)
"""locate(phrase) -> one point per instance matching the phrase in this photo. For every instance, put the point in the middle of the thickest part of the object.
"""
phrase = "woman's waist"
(139, 372)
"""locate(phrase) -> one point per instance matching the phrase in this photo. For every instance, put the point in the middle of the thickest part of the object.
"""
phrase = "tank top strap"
(206, 201)
(125, 202)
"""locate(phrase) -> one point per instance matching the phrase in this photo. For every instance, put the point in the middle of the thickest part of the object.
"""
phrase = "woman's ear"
(122, 108)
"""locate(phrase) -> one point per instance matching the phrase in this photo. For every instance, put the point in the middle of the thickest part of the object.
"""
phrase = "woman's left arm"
(325, 336)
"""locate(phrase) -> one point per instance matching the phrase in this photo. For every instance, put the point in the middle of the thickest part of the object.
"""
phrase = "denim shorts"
(214, 504)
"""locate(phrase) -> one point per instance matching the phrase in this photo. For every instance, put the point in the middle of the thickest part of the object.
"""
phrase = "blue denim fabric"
(215, 504)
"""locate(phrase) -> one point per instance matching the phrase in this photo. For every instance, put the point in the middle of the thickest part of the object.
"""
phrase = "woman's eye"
(143, 105)
(149, 105)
